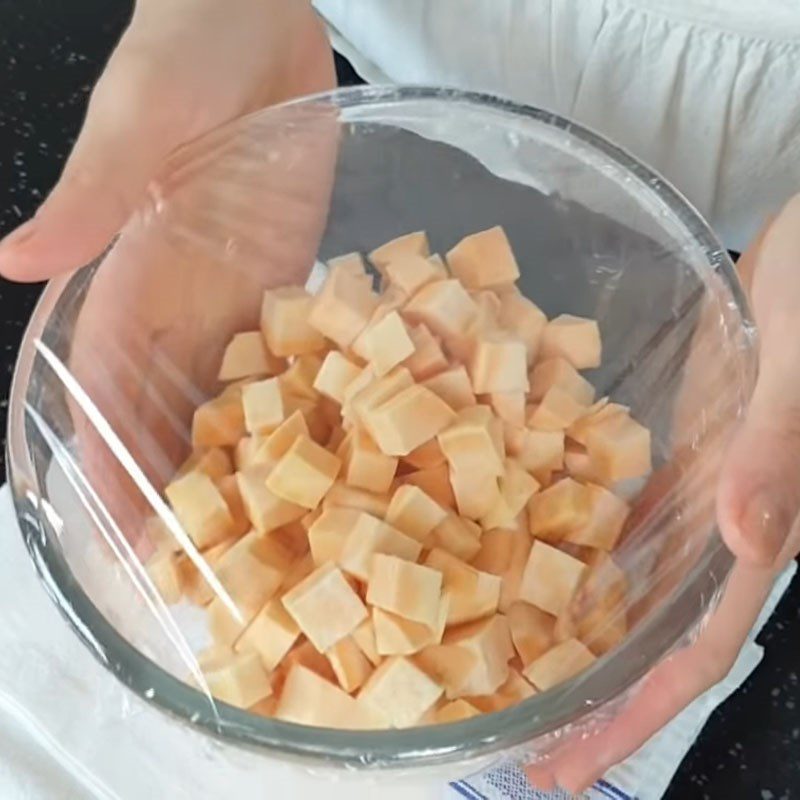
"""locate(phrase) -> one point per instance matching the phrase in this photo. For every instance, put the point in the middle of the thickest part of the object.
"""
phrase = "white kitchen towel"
(68, 729)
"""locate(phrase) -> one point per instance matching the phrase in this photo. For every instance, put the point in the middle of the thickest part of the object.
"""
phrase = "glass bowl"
(117, 355)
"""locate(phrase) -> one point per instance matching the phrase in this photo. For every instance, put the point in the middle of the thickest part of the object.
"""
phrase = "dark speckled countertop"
(51, 51)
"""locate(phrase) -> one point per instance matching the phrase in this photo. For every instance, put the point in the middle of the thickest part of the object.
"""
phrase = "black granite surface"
(51, 51)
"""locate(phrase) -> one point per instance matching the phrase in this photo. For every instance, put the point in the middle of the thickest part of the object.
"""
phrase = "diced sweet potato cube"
(328, 534)
(364, 637)
(539, 452)
(200, 508)
(301, 568)
(164, 571)
(294, 538)
(453, 386)
(304, 474)
(524, 319)
(263, 405)
(454, 711)
(576, 339)
(343, 496)
(298, 380)
(343, 307)
(335, 375)
(399, 692)
(265, 510)
(468, 445)
(556, 411)
(271, 634)
(561, 508)
(532, 631)
(476, 493)
(579, 465)
(444, 307)
(425, 456)
(239, 680)
(369, 536)
(550, 579)
(471, 594)
(516, 489)
(414, 513)
(409, 419)
(559, 372)
(350, 665)
(411, 591)
(219, 422)
(214, 462)
(352, 265)
(509, 406)
(195, 586)
(458, 536)
(379, 391)
(365, 466)
(265, 707)
(435, 482)
(305, 655)
(308, 699)
(499, 364)
(229, 489)
(411, 272)
(246, 356)
(159, 536)
(607, 515)
(619, 447)
(385, 343)
(427, 359)
(562, 662)
(596, 413)
(284, 322)
(497, 545)
(272, 447)
(484, 259)
(512, 577)
(409, 244)
(325, 607)
(397, 636)
(513, 691)
(225, 628)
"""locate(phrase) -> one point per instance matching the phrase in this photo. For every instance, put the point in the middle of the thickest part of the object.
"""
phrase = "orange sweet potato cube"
(304, 474)
(499, 364)
(513, 691)
(453, 386)
(410, 273)
(532, 631)
(516, 488)
(364, 465)
(476, 493)
(284, 322)
(512, 577)
(559, 372)
(454, 711)
(510, 407)
(459, 536)
(364, 637)
(237, 679)
(397, 636)
(410, 590)
(409, 244)
(414, 513)
(341, 495)
(550, 579)
(561, 508)
(607, 515)
(263, 405)
(497, 546)
(425, 456)
(435, 482)
(369, 536)
(219, 422)
(427, 358)
(329, 532)
(270, 448)
(229, 489)
(386, 343)
(484, 259)
(560, 663)
(163, 569)
(524, 319)
(539, 452)
(200, 508)
(247, 356)
(265, 510)
(335, 375)
(349, 664)
(225, 627)
(576, 339)
(468, 444)
(444, 307)
(271, 634)
(325, 607)
(214, 462)
(556, 411)
(619, 448)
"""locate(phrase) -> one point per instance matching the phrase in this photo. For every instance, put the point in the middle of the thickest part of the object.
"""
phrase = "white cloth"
(705, 91)
(68, 729)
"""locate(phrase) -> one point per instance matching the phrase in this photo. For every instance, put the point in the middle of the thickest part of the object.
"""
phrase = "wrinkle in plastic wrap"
(119, 355)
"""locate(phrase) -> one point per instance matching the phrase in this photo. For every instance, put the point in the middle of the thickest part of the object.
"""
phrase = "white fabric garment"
(704, 91)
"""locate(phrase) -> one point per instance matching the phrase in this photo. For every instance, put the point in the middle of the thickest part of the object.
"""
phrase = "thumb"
(759, 491)
(128, 130)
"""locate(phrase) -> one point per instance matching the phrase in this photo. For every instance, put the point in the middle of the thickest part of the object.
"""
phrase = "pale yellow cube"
(499, 364)
(445, 307)
(539, 452)
(308, 699)
(335, 375)
(386, 343)
(558, 510)
(397, 636)
(328, 534)
(304, 474)
(325, 607)
(239, 680)
(399, 692)
(284, 322)
(428, 359)
(349, 664)
(513, 691)
(556, 411)
(200, 508)
(263, 405)
(247, 356)
(376, 393)
(369, 536)
(414, 513)
(562, 662)
(435, 482)
(410, 590)
(607, 515)
(619, 448)
(343, 496)
(409, 244)
(576, 339)
(468, 444)
(532, 631)
(364, 637)
(510, 407)
(265, 510)
(560, 372)
(409, 273)
(219, 422)
(525, 320)
(471, 594)
(164, 570)
(271, 634)
(457, 535)
(484, 259)
(550, 579)
(365, 466)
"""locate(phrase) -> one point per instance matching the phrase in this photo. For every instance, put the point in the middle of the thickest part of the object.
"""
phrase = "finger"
(759, 491)
(127, 132)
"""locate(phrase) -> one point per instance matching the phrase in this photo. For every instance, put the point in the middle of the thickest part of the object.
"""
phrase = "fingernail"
(765, 523)
(20, 235)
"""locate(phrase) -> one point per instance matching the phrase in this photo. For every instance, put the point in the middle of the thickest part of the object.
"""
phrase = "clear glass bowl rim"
(545, 713)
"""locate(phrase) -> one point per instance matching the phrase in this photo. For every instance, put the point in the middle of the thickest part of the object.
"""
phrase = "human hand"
(757, 500)
(182, 68)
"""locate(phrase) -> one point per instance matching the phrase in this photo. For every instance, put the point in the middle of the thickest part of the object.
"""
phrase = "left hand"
(758, 500)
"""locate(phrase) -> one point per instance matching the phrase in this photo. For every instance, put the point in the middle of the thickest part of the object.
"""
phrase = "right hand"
(182, 68)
